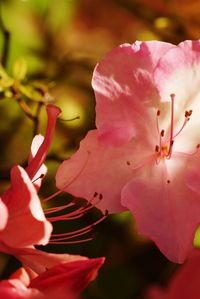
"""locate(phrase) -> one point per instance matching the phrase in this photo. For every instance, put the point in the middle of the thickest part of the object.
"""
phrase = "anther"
(157, 148)
(162, 133)
(190, 112)
(100, 196)
(40, 177)
(168, 181)
(95, 194)
(128, 163)
(158, 112)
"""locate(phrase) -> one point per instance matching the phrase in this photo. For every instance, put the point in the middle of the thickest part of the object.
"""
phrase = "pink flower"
(26, 225)
(65, 280)
(144, 155)
(183, 285)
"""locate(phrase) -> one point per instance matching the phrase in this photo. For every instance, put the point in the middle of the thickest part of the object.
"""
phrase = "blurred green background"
(49, 49)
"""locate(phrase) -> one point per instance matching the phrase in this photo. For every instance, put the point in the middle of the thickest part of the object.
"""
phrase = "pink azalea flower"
(183, 285)
(38, 155)
(144, 155)
(66, 280)
(26, 224)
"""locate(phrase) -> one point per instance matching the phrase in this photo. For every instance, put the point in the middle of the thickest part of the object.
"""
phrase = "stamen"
(58, 209)
(158, 112)
(157, 148)
(40, 177)
(70, 182)
(188, 154)
(157, 122)
(71, 242)
(77, 213)
(187, 115)
(63, 237)
(171, 141)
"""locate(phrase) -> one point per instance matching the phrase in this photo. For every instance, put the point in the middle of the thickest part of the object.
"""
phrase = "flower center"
(165, 147)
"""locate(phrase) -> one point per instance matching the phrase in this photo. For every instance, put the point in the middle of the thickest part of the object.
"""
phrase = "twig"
(6, 45)
(26, 109)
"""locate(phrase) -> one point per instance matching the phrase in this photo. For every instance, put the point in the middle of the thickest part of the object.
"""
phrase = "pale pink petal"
(178, 72)
(67, 277)
(123, 83)
(97, 168)
(26, 224)
(165, 209)
(3, 215)
(36, 143)
(42, 152)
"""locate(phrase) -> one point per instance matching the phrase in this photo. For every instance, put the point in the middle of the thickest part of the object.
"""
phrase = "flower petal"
(27, 224)
(165, 209)
(36, 143)
(39, 261)
(178, 72)
(97, 168)
(70, 277)
(4, 215)
(122, 81)
(41, 154)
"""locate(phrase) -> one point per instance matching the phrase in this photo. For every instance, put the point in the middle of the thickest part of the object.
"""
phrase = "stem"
(6, 45)
(26, 109)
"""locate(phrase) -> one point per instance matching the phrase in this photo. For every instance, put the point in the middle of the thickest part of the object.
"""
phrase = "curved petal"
(39, 261)
(36, 143)
(165, 209)
(40, 156)
(70, 277)
(97, 168)
(4, 215)
(122, 81)
(178, 72)
(26, 224)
